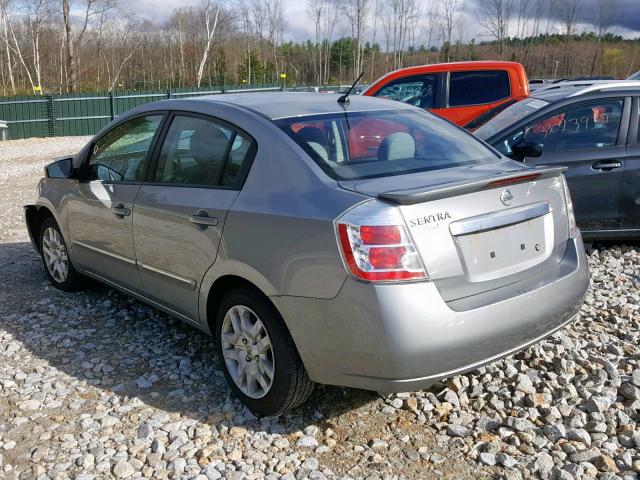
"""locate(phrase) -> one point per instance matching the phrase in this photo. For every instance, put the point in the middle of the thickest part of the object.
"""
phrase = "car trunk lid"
(479, 229)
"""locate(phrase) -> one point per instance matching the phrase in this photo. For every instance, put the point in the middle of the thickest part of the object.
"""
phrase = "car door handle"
(201, 217)
(606, 165)
(120, 210)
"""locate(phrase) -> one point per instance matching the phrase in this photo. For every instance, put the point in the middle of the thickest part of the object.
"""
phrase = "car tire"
(245, 319)
(56, 259)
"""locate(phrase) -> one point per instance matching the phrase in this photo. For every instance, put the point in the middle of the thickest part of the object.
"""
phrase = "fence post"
(169, 93)
(51, 115)
(111, 106)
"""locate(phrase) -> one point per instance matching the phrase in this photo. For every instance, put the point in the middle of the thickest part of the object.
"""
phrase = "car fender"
(224, 267)
(53, 198)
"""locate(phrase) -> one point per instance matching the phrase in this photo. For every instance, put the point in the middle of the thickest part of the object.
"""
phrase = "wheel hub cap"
(247, 351)
(55, 255)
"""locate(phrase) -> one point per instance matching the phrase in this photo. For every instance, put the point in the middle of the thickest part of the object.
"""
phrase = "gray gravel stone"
(101, 386)
(123, 469)
(307, 441)
(488, 458)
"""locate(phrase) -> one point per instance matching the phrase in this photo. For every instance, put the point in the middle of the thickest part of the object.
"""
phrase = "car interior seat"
(316, 139)
(207, 146)
(396, 146)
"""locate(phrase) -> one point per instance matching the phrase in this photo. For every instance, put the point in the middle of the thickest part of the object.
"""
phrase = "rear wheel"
(259, 358)
(55, 257)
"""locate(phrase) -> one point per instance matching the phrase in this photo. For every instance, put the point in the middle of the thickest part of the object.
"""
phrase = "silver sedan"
(363, 243)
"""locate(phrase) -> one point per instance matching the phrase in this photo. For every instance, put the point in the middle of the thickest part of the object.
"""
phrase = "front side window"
(588, 126)
(352, 146)
(478, 87)
(198, 151)
(505, 146)
(119, 155)
(418, 90)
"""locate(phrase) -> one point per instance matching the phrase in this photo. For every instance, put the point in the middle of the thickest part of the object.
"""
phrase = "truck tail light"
(573, 226)
(379, 252)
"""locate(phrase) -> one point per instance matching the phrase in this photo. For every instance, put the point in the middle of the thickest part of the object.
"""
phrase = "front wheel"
(258, 355)
(55, 257)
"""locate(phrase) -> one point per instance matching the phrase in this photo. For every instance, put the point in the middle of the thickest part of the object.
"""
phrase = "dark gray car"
(592, 130)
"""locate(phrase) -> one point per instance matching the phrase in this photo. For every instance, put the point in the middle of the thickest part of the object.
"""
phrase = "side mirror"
(62, 168)
(526, 148)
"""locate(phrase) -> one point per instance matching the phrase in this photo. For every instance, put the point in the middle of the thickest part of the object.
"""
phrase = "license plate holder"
(506, 250)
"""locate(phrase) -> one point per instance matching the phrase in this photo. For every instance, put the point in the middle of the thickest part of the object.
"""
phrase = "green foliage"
(342, 51)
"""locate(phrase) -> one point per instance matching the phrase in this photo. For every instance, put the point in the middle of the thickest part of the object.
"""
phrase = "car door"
(630, 196)
(587, 137)
(100, 209)
(179, 214)
(473, 92)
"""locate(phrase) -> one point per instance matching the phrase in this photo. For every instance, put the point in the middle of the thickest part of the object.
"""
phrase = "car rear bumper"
(405, 337)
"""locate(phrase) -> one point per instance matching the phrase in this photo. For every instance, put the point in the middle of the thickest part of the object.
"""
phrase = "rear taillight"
(378, 252)
(573, 227)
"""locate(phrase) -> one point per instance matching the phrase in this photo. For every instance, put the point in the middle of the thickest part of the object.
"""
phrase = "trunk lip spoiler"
(500, 219)
(437, 192)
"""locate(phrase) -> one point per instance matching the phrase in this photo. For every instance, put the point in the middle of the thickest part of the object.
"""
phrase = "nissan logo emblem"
(506, 198)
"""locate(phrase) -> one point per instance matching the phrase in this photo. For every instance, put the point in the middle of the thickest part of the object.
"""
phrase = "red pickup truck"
(466, 93)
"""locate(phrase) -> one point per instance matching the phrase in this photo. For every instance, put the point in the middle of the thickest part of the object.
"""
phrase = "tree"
(449, 17)
(324, 15)
(211, 15)
(567, 11)
(356, 13)
(90, 8)
(607, 11)
(494, 15)
(4, 19)
(38, 12)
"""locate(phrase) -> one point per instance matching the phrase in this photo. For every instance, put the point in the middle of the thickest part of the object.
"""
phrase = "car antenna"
(344, 99)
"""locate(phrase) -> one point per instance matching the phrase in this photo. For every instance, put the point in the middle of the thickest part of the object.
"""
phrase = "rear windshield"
(510, 116)
(357, 145)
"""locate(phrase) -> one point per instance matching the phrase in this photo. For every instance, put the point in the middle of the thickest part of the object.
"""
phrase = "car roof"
(560, 91)
(275, 105)
(453, 65)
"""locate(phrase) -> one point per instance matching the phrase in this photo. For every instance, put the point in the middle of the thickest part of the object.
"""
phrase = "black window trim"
(243, 172)
(448, 82)
(84, 168)
(633, 135)
(564, 106)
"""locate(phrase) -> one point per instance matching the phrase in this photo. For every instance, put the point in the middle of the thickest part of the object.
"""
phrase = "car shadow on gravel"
(104, 339)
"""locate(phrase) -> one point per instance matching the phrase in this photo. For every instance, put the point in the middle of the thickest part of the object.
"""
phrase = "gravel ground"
(97, 385)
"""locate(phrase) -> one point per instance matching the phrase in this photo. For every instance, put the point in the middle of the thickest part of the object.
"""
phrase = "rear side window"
(198, 151)
(478, 87)
(418, 90)
(118, 156)
(357, 145)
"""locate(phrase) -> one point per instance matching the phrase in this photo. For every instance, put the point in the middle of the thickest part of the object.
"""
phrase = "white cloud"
(157, 11)
(300, 27)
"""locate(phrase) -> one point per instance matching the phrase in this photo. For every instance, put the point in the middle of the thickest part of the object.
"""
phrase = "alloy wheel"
(247, 351)
(55, 255)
